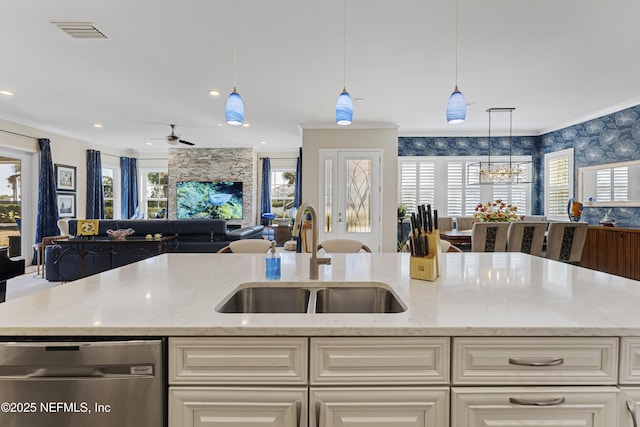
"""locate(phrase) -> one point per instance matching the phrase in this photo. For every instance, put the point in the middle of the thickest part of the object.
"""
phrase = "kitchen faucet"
(314, 262)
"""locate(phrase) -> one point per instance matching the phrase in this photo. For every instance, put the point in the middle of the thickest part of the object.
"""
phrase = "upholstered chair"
(489, 236)
(343, 246)
(247, 246)
(565, 241)
(464, 222)
(526, 237)
(445, 223)
(445, 246)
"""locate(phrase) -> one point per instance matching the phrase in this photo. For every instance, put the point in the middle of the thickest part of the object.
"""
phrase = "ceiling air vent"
(80, 30)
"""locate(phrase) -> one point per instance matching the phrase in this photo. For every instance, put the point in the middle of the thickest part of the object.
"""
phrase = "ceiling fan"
(173, 138)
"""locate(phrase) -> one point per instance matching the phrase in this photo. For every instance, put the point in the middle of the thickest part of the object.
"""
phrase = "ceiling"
(557, 62)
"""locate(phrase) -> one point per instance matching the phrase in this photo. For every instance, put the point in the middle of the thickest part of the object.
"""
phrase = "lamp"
(500, 172)
(234, 109)
(344, 106)
(457, 105)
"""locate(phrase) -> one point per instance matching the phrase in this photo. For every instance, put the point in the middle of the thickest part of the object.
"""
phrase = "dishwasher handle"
(70, 372)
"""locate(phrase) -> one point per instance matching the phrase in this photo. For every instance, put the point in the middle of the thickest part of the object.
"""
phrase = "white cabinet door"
(237, 407)
(379, 407)
(629, 401)
(534, 406)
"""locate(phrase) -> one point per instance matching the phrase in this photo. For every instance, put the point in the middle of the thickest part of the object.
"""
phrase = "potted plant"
(402, 210)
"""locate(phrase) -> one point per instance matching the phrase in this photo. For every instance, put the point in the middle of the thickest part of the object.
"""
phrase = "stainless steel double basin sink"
(312, 297)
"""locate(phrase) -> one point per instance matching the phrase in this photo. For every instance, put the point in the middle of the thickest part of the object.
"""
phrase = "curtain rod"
(279, 158)
(18, 134)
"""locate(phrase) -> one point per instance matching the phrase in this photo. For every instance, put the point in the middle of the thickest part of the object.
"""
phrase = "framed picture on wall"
(67, 205)
(65, 177)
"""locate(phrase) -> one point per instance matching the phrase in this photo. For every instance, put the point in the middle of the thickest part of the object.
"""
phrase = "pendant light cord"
(510, 135)
(489, 138)
(235, 45)
(344, 45)
(456, 44)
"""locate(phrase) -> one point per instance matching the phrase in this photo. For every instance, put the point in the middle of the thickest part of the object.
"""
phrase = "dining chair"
(464, 222)
(446, 246)
(535, 218)
(247, 246)
(445, 223)
(343, 246)
(565, 241)
(526, 237)
(489, 236)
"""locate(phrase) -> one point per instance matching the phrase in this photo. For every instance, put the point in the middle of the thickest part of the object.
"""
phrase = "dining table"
(456, 237)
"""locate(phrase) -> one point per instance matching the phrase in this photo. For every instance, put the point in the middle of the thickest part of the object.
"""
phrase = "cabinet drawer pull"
(631, 407)
(527, 402)
(519, 362)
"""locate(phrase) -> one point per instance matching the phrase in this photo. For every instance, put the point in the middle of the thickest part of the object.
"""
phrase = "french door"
(350, 194)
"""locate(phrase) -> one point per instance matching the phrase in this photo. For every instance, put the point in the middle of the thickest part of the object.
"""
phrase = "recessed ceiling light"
(263, 142)
(149, 143)
(245, 125)
(97, 125)
(214, 92)
(6, 92)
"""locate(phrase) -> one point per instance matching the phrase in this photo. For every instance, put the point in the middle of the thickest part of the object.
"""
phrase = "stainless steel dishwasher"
(78, 384)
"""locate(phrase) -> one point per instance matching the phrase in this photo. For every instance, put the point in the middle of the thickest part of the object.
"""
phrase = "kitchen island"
(496, 335)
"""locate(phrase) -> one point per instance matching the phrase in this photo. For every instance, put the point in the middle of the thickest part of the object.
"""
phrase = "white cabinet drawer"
(630, 361)
(544, 361)
(233, 360)
(534, 406)
(400, 361)
(379, 406)
(237, 406)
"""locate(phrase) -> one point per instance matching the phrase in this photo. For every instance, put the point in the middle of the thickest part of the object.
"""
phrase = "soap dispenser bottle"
(273, 263)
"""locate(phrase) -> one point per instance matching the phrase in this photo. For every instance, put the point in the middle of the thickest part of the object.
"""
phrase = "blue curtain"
(129, 186)
(47, 215)
(95, 195)
(265, 205)
(297, 195)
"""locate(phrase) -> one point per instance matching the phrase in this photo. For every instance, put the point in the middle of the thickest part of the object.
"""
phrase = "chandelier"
(499, 172)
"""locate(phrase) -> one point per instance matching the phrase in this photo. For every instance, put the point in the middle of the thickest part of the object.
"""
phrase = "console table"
(77, 244)
(613, 250)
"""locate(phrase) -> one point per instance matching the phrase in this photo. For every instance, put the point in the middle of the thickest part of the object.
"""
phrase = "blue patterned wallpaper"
(479, 146)
(611, 138)
(608, 139)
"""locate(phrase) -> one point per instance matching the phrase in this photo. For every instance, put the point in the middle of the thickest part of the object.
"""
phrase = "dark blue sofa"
(62, 261)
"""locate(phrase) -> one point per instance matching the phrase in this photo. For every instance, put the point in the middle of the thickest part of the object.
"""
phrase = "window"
(107, 189)
(283, 184)
(462, 199)
(417, 182)
(419, 177)
(156, 184)
(558, 183)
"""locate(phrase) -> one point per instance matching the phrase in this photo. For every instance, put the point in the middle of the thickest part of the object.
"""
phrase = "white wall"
(65, 151)
(386, 139)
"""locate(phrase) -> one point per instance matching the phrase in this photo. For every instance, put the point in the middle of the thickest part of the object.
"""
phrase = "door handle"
(527, 402)
(339, 216)
(519, 362)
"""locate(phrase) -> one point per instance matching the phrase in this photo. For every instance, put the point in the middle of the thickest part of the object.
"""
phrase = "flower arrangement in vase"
(496, 211)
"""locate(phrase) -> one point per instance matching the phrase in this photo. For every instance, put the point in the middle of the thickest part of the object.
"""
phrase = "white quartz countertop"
(507, 294)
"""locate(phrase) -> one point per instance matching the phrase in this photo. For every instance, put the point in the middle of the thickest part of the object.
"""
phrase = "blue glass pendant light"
(344, 106)
(344, 109)
(234, 109)
(457, 105)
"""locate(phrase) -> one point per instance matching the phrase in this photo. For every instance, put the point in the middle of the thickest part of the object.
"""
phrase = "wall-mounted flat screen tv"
(205, 200)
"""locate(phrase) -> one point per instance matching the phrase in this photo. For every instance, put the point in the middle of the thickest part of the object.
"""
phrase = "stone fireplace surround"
(216, 164)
